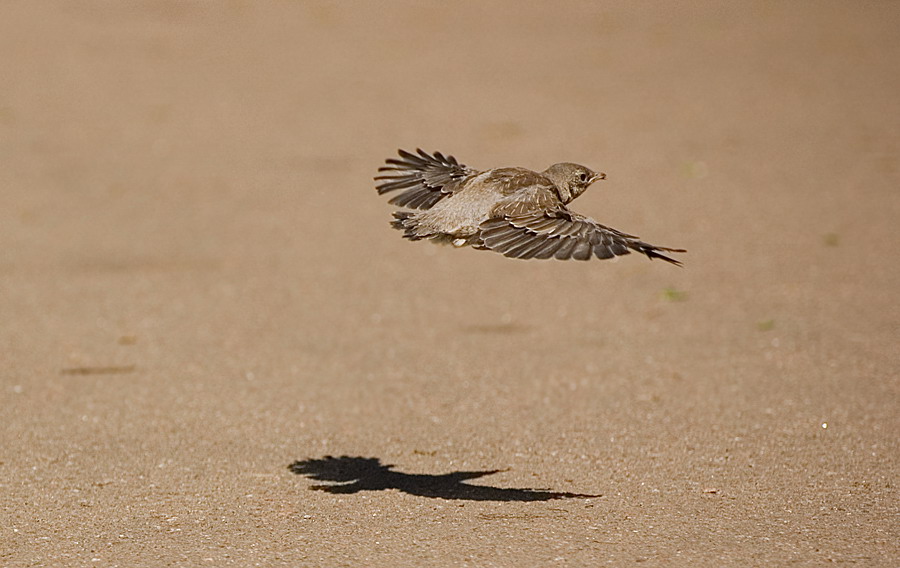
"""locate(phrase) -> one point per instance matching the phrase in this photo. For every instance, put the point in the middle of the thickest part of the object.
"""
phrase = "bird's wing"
(425, 178)
(562, 234)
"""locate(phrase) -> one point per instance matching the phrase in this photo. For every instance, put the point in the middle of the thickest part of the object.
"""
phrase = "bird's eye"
(583, 177)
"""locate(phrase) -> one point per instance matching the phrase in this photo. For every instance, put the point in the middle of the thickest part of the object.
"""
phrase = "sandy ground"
(202, 299)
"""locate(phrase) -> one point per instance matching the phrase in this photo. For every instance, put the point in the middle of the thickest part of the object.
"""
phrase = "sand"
(202, 299)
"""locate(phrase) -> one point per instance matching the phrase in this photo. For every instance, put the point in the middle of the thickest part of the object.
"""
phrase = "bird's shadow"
(355, 474)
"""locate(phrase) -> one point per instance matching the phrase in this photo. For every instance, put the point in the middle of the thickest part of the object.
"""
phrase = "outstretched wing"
(562, 234)
(425, 178)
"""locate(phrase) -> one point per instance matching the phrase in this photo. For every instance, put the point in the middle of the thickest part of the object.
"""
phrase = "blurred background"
(199, 285)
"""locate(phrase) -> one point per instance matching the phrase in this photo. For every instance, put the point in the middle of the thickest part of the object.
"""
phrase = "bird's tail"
(407, 222)
(414, 229)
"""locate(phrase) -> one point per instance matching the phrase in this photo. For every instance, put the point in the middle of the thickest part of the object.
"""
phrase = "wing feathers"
(562, 235)
(564, 252)
(425, 178)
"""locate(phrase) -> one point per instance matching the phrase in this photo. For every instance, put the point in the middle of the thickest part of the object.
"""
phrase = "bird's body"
(514, 211)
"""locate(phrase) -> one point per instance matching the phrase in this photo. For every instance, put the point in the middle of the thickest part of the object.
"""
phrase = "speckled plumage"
(514, 211)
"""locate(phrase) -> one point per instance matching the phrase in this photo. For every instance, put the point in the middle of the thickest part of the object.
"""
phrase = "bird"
(513, 211)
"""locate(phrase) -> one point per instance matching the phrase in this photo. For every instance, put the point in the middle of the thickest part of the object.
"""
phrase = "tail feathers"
(413, 229)
(406, 221)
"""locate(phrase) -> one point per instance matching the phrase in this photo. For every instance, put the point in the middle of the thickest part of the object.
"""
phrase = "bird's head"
(571, 179)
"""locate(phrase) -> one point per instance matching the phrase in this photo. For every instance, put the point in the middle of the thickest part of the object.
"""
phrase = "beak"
(598, 176)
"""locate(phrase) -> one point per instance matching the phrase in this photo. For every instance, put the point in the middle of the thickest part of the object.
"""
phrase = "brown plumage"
(516, 212)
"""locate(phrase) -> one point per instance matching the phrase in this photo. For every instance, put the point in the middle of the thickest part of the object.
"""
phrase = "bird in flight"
(516, 212)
